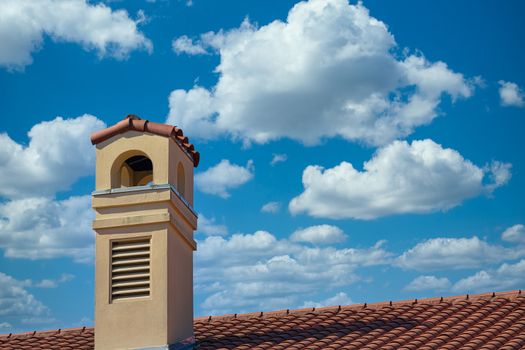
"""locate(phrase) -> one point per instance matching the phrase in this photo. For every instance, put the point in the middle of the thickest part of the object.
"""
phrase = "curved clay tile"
(480, 322)
(133, 122)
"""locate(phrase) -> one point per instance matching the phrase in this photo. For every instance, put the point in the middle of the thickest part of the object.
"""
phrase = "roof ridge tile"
(45, 333)
(377, 305)
(135, 123)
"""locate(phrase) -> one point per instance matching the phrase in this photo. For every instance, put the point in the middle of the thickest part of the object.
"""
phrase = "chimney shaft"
(144, 227)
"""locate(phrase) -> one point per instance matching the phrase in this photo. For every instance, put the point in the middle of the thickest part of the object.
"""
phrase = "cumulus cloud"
(224, 176)
(329, 70)
(46, 282)
(52, 283)
(278, 158)
(239, 246)
(339, 299)
(319, 234)
(43, 228)
(258, 271)
(247, 272)
(455, 253)
(429, 283)
(401, 178)
(58, 153)
(505, 277)
(510, 94)
(209, 227)
(271, 207)
(16, 302)
(24, 23)
(514, 234)
(184, 44)
(499, 174)
(33, 224)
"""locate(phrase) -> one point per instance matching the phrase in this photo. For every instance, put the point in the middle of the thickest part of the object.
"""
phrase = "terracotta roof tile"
(73, 338)
(133, 122)
(484, 322)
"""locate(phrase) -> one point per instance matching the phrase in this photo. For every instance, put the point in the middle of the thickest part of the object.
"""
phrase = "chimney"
(144, 226)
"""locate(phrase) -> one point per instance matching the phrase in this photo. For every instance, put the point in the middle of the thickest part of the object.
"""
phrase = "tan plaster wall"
(138, 322)
(164, 153)
(113, 152)
(176, 156)
(143, 203)
(166, 316)
(131, 198)
(180, 288)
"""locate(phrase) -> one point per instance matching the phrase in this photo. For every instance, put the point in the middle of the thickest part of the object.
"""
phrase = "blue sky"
(349, 152)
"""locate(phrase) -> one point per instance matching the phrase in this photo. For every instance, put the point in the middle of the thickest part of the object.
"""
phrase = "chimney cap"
(134, 122)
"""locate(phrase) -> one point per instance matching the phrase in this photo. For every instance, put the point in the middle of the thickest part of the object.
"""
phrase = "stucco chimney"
(144, 227)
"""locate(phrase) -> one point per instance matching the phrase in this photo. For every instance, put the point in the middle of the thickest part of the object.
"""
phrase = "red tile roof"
(132, 122)
(484, 322)
(72, 338)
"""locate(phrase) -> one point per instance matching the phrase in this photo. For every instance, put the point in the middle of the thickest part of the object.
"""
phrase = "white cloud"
(510, 94)
(238, 246)
(47, 283)
(271, 207)
(429, 283)
(43, 228)
(319, 234)
(142, 18)
(278, 158)
(23, 24)
(224, 176)
(210, 228)
(401, 178)
(186, 109)
(34, 225)
(260, 272)
(52, 283)
(505, 277)
(184, 44)
(58, 153)
(16, 302)
(339, 299)
(515, 234)
(5, 326)
(499, 174)
(455, 253)
(329, 70)
(38, 320)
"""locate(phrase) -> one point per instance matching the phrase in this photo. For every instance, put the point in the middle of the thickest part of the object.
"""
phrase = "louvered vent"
(130, 269)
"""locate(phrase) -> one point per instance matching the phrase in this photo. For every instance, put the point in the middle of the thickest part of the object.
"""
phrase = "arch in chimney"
(132, 168)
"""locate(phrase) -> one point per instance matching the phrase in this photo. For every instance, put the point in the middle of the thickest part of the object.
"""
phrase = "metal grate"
(130, 268)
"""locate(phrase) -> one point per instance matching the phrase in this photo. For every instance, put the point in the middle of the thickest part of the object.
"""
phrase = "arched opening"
(181, 180)
(136, 171)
